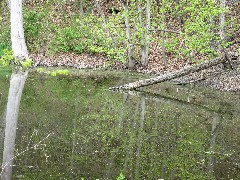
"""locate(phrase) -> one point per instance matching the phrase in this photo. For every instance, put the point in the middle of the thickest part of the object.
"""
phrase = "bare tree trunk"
(146, 45)
(17, 33)
(81, 7)
(16, 86)
(131, 63)
(222, 20)
(141, 29)
(14, 97)
(163, 39)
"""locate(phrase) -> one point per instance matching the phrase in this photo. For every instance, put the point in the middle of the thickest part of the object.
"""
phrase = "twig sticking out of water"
(27, 149)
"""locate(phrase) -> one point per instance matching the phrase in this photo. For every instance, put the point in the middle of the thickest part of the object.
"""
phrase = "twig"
(33, 147)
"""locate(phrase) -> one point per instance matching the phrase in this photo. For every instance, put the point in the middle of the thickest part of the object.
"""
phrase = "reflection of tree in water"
(14, 97)
(99, 135)
(2, 128)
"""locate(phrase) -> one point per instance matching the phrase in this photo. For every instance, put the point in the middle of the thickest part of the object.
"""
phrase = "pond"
(75, 128)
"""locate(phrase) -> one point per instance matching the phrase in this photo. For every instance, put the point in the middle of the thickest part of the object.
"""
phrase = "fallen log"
(171, 75)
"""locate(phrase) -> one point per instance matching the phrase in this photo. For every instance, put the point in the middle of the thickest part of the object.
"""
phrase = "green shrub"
(4, 35)
(8, 59)
(3, 46)
(85, 35)
(35, 28)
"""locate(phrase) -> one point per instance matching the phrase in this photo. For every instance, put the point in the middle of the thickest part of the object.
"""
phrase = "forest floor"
(217, 77)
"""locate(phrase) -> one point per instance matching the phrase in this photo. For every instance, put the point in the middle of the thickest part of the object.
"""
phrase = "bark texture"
(17, 33)
(222, 20)
(131, 62)
(145, 47)
(169, 76)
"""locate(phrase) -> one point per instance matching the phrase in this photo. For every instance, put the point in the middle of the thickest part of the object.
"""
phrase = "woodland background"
(152, 34)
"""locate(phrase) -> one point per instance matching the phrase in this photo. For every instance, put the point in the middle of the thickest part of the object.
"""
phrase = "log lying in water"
(171, 75)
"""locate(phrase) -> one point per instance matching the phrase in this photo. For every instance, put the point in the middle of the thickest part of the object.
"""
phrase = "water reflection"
(10, 116)
(82, 130)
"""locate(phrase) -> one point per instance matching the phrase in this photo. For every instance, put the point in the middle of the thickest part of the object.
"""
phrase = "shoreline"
(217, 77)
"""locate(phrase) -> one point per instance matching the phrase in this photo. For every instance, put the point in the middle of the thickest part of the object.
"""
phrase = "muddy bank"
(217, 77)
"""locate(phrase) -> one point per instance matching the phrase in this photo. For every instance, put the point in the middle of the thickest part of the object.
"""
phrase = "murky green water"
(74, 127)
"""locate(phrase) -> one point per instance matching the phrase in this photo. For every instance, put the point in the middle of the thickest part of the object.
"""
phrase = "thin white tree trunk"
(146, 45)
(163, 38)
(16, 87)
(81, 7)
(14, 97)
(17, 33)
(131, 62)
(143, 42)
(222, 20)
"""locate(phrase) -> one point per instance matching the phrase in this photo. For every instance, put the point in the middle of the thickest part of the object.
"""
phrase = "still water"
(75, 128)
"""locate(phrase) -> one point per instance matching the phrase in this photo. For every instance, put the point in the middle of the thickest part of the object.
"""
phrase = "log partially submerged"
(171, 75)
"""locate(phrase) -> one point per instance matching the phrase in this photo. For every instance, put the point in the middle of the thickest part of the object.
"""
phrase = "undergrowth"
(57, 27)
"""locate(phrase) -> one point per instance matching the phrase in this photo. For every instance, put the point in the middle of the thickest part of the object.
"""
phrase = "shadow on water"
(74, 127)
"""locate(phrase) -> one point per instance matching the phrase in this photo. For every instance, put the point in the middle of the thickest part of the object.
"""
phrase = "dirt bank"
(217, 77)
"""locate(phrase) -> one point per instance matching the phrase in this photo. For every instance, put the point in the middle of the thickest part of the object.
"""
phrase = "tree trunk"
(141, 30)
(146, 43)
(81, 8)
(163, 38)
(17, 33)
(16, 86)
(222, 20)
(131, 63)
(14, 97)
(171, 75)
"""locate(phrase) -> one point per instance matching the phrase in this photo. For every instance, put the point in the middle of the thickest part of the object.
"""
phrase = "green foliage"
(54, 72)
(36, 26)
(4, 36)
(85, 35)
(46, 27)
(59, 72)
(8, 59)
(40, 70)
(121, 177)
(27, 63)
(199, 29)
(67, 39)
(3, 46)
